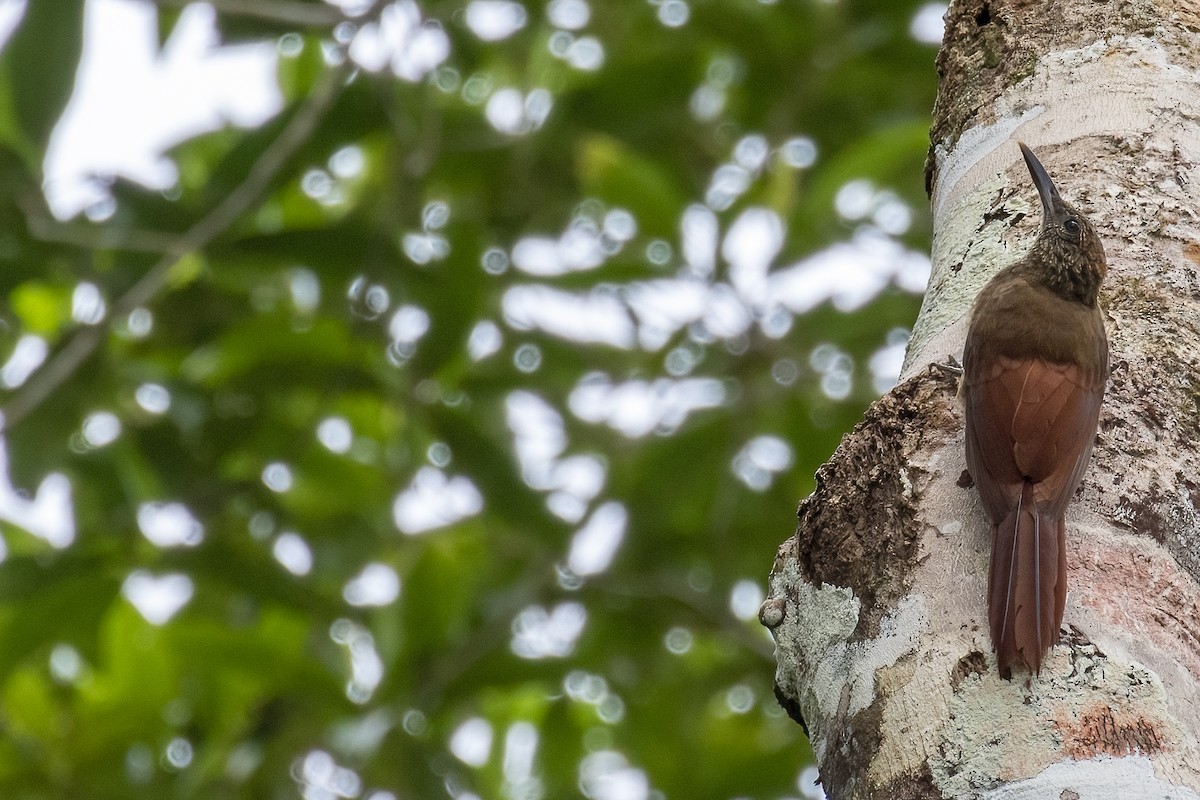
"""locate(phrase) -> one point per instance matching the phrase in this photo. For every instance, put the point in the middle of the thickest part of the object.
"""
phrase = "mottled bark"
(878, 602)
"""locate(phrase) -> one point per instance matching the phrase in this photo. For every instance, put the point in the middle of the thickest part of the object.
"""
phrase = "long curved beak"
(1051, 202)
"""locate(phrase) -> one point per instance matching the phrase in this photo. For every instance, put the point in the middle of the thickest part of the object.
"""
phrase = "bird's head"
(1068, 249)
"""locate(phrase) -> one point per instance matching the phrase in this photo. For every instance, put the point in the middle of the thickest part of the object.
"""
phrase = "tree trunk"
(878, 601)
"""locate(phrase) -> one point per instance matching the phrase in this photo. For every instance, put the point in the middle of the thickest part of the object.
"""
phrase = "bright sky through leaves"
(480, 426)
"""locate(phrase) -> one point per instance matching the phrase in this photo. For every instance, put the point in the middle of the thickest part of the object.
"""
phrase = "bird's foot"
(950, 366)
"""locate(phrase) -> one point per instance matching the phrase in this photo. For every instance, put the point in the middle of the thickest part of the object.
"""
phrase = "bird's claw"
(950, 366)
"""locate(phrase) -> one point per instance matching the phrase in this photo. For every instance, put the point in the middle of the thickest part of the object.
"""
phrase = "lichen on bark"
(857, 529)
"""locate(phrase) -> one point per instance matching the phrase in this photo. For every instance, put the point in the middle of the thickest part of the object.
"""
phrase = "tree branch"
(44, 228)
(309, 15)
(237, 202)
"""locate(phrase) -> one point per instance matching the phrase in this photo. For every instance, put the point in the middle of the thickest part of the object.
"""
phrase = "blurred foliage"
(270, 684)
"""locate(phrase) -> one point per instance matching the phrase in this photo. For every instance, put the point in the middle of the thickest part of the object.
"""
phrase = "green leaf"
(37, 72)
(42, 308)
(617, 175)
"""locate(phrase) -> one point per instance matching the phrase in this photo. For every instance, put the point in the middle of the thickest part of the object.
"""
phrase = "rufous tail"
(1027, 583)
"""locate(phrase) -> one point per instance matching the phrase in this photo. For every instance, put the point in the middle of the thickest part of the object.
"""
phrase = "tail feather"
(1027, 583)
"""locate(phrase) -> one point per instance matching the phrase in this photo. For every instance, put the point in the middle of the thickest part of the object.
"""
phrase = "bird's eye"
(1071, 226)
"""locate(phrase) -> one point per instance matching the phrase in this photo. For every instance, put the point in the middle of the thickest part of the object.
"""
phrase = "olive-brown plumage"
(1034, 369)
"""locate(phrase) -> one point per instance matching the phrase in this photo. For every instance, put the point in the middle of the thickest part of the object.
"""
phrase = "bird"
(1035, 365)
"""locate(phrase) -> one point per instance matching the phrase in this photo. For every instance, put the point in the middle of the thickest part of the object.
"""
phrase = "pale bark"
(877, 602)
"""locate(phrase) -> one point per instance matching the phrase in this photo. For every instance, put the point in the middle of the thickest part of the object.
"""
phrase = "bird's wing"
(1030, 419)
